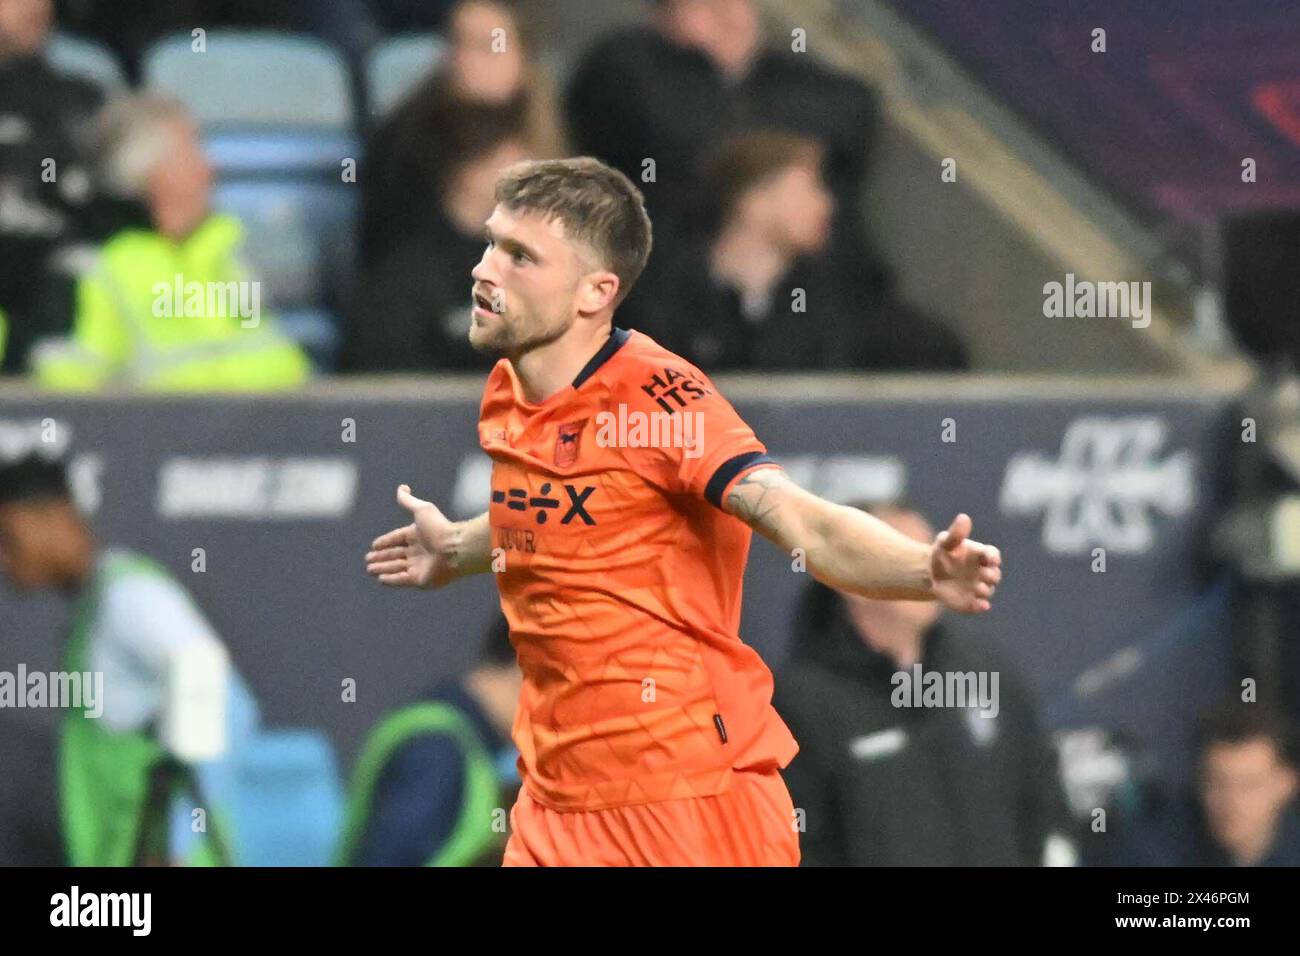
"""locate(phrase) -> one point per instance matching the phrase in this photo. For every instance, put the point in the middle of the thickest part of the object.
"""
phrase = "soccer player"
(624, 490)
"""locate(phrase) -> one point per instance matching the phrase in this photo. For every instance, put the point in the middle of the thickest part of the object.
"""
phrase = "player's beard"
(514, 334)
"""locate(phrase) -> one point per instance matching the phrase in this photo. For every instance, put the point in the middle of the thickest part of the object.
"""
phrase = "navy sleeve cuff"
(728, 470)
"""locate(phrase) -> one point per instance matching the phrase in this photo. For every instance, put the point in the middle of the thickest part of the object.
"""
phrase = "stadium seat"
(269, 103)
(395, 66)
(254, 79)
(287, 803)
(289, 223)
(260, 152)
(85, 59)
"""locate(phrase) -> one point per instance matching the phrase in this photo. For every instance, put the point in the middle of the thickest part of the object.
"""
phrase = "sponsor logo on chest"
(520, 515)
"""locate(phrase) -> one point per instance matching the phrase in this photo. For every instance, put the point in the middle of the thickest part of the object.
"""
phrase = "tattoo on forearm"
(750, 497)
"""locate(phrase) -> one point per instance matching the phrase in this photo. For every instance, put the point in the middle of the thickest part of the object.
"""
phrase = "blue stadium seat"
(396, 65)
(259, 152)
(85, 59)
(269, 103)
(287, 803)
(254, 78)
(290, 224)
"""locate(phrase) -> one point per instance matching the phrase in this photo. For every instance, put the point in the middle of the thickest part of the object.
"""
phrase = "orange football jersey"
(622, 581)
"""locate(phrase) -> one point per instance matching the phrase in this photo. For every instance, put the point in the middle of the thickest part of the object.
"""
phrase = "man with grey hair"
(138, 135)
(168, 306)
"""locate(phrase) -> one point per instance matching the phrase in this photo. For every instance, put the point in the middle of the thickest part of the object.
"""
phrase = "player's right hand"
(418, 555)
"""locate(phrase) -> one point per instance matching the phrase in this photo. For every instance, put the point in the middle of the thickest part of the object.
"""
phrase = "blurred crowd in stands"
(230, 194)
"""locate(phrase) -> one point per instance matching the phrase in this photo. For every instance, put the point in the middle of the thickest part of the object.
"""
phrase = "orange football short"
(752, 824)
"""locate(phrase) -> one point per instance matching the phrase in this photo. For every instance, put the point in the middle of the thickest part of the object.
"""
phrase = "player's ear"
(598, 291)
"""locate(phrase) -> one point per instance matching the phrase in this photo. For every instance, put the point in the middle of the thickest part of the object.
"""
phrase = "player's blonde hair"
(597, 205)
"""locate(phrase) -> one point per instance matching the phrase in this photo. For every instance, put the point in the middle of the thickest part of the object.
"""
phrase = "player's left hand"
(964, 573)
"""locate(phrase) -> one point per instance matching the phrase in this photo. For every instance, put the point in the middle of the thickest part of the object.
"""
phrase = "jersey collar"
(617, 338)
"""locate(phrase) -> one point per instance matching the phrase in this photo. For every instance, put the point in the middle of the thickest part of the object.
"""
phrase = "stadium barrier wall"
(283, 495)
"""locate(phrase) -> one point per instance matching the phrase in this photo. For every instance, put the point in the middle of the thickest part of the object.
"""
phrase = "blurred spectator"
(168, 305)
(412, 308)
(1246, 811)
(700, 72)
(757, 288)
(45, 186)
(429, 784)
(883, 785)
(161, 705)
(405, 171)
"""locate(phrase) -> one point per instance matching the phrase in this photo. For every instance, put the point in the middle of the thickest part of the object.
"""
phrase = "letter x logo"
(576, 500)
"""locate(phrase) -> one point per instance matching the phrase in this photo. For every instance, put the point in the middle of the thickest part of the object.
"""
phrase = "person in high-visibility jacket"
(170, 306)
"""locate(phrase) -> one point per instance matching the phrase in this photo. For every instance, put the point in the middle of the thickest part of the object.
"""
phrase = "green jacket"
(473, 837)
(104, 776)
(172, 316)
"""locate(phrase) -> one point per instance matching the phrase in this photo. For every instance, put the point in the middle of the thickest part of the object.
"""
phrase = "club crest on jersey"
(566, 443)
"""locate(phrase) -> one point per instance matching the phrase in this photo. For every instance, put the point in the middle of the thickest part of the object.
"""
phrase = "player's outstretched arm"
(850, 550)
(432, 550)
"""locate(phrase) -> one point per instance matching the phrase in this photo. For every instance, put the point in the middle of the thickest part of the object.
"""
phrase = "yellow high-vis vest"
(172, 316)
